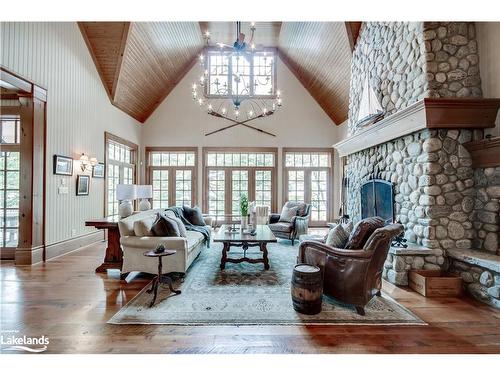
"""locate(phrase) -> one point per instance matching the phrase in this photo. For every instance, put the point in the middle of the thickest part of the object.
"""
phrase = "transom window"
(241, 74)
(172, 173)
(231, 173)
(307, 177)
(120, 169)
(9, 180)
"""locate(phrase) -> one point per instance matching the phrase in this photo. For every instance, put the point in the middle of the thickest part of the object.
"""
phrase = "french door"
(231, 173)
(307, 176)
(172, 173)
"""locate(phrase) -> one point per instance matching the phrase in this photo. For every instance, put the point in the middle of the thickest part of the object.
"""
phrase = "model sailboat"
(370, 110)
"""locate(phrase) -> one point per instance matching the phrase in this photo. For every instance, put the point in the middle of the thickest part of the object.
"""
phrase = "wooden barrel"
(307, 289)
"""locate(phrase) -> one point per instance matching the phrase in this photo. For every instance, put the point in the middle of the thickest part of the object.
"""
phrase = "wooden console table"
(114, 257)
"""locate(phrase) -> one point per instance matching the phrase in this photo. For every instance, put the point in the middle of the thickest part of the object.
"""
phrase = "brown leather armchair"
(352, 276)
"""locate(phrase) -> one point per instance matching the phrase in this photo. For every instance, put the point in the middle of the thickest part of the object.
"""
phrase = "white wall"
(55, 56)
(300, 123)
(489, 62)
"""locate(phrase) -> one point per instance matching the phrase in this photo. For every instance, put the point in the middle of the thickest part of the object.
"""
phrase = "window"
(9, 180)
(230, 173)
(172, 173)
(307, 175)
(241, 74)
(121, 161)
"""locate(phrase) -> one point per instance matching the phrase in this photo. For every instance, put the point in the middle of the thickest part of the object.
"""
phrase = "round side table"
(160, 278)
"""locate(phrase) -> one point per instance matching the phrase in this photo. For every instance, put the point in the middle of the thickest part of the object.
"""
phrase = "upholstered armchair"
(293, 229)
(352, 276)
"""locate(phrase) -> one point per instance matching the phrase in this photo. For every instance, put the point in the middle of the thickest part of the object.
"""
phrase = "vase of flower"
(244, 211)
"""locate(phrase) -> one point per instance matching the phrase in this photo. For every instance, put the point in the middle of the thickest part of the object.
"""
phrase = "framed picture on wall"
(82, 184)
(63, 165)
(98, 171)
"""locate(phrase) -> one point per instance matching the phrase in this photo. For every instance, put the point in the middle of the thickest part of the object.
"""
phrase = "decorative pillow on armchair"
(289, 210)
(362, 231)
(194, 215)
(337, 237)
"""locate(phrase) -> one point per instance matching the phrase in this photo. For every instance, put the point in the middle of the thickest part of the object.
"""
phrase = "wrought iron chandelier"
(238, 82)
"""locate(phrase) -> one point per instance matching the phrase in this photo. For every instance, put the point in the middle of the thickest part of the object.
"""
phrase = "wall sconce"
(85, 162)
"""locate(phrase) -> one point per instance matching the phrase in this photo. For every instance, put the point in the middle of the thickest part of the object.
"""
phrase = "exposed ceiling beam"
(353, 29)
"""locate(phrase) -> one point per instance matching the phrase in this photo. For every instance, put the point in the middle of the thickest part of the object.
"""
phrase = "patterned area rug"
(246, 294)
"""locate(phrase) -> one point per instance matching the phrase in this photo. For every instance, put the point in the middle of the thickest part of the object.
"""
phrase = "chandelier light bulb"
(278, 93)
(279, 102)
(264, 111)
(194, 86)
(253, 45)
(223, 111)
(209, 108)
(207, 34)
(236, 113)
(200, 101)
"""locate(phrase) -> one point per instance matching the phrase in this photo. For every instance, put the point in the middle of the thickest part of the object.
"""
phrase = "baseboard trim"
(8, 254)
(28, 256)
(61, 248)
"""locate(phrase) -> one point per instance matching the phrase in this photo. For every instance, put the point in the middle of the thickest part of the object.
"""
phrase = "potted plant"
(244, 211)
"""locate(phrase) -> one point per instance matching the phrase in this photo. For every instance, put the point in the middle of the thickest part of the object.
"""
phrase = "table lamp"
(144, 193)
(125, 194)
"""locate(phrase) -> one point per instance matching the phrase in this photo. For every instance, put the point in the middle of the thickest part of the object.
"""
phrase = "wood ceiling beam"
(353, 29)
(100, 38)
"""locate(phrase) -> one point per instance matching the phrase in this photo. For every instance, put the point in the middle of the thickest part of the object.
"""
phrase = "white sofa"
(133, 247)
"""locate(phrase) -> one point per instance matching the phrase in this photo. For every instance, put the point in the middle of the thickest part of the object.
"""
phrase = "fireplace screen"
(377, 199)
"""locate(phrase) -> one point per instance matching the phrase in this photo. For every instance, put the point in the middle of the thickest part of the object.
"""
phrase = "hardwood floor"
(67, 302)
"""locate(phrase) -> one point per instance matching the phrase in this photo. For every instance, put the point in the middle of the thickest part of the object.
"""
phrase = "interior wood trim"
(15, 80)
(111, 137)
(484, 153)
(26, 256)
(83, 32)
(430, 113)
(353, 29)
(123, 46)
(7, 253)
(67, 246)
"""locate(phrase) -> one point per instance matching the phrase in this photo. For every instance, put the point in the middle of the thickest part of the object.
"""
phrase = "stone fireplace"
(428, 81)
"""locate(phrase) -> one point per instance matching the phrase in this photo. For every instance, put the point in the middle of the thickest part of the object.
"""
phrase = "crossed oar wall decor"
(236, 123)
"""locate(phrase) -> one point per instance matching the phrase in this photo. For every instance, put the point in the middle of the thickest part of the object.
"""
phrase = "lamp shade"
(126, 192)
(144, 191)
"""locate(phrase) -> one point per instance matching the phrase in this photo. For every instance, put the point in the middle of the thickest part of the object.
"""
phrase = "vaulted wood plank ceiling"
(319, 54)
(141, 62)
(155, 57)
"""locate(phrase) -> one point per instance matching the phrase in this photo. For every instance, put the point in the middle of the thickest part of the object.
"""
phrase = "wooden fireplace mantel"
(429, 113)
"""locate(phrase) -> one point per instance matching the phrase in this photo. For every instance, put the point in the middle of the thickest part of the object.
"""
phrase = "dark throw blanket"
(179, 213)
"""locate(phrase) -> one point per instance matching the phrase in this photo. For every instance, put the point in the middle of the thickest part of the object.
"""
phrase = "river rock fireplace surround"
(421, 150)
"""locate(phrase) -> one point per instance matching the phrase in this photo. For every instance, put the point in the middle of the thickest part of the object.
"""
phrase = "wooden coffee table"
(262, 237)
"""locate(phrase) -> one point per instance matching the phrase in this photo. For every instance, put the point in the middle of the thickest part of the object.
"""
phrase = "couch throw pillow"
(165, 226)
(362, 231)
(337, 237)
(142, 228)
(193, 215)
